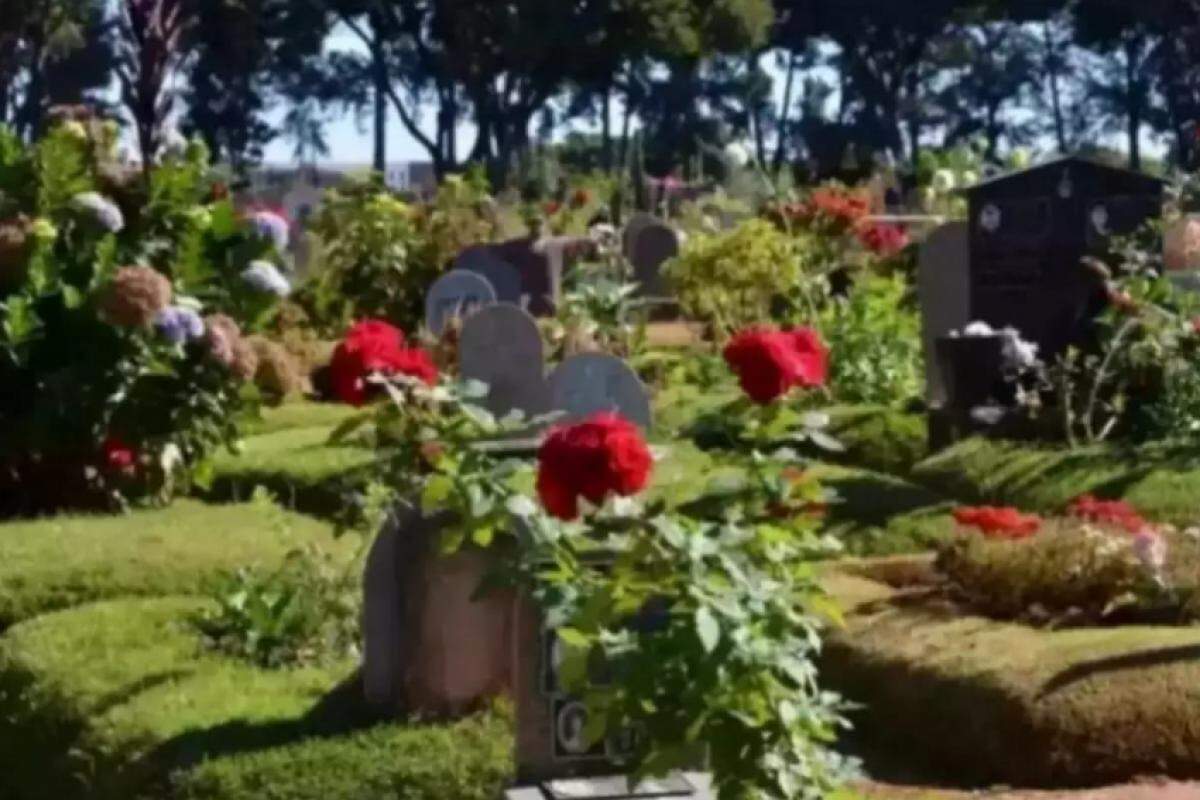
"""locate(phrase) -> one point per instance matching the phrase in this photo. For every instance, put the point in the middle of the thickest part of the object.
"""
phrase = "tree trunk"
(1060, 130)
(783, 133)
(379, 73)
(1134, 97)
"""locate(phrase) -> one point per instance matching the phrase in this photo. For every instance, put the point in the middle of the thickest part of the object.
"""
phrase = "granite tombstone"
(1029, 234)
(484, 260)
(943, 293)
(502, 347)
(456, 294)
(589, 383)
(653, 246)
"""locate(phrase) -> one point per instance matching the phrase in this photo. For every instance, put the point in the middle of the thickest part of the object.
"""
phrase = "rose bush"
(770, 363)
(375, 348)
(602, 456)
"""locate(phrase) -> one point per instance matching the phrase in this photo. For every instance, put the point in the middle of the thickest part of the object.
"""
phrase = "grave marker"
(533, 269)
(653, 246)
(943, 292)
(502, 347)
(484, 259)
(592, 382)
(456, 294)
(637, 223)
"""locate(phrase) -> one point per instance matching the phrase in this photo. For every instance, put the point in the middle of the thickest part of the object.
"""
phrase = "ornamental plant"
(708, 614)
(122, 309)
(373, 349)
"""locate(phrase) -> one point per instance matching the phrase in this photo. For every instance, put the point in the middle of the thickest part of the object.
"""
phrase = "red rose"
(999, 523)
(883, 240)
(373, 347)
(1107, 512)
(118, 456)
(769, 363)
(581, 198)
(552, 208)
(602, 455)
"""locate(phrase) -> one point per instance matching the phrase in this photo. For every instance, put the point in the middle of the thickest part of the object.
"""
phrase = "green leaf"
(438, 489)
(348, 427)
(573, 638)
(708, 629)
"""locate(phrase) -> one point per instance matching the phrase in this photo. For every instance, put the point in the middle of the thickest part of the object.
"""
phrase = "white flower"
(738, 154)
(266, 277)
(944, 181)
(1019, 354)
(978, 328)
(1150, 549)
(272, 227)
(104, 211)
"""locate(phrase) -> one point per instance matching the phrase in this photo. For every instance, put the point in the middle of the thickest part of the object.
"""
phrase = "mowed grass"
(60, 562)
(119, 699)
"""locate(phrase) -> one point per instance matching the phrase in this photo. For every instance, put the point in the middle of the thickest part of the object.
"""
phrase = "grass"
(118, 700)
(993, 702)
(60, 562)
(297, 465)
(877, 514)
(301, 414)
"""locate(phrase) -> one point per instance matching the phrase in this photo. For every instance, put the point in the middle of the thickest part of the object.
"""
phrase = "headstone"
(637, 223)
(943, 292)
(503, 276)
(533, 268)
(502, 347)
(1029, 234)
(593, 382)
(456, 294)
(653, 246)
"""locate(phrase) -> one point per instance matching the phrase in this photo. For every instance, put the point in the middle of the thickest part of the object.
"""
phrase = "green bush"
(875, 336)
(113, 385)
(737, 279)
(56, 563)
(118, 700)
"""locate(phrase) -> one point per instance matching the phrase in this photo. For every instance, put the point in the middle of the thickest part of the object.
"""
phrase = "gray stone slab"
(458, 293)
(943, 290)
(653, 246)
(593, 382)
(502, 347)
(486, 261)
(636, 224)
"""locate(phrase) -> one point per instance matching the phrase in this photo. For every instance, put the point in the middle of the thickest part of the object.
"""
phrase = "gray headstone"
(593, 382)
(502, 347)
(652, 247)
(637, 223)
(503, 276)
(456, 294)
(943, 290)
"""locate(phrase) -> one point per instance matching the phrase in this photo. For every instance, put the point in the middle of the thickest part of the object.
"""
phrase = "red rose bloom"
(373, 347)
(1107, 512)
(118, 456)
(769, 363)
(999, 523)
(581, 198)
(552, 208)
(605, 454)
(883, 240)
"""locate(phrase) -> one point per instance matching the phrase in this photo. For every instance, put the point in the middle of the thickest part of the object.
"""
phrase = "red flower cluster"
(835, 207)
(883, 240)
(999, 523)
(551, 208)
(1107, 512)
(605, 454)
(375, 347)
(581, 198)
(770, 363)
(117, 455)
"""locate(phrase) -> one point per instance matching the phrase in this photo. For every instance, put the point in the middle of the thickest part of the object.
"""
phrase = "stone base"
(692, 785)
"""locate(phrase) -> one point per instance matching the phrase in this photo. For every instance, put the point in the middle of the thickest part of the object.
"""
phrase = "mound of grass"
(118, 700)
(60, 562)
(992, 702)
(297, 465)
(877, 514)
(300, 414)
(1161, 480)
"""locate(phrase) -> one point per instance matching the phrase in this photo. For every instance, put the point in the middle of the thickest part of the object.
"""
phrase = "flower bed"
(999, 702)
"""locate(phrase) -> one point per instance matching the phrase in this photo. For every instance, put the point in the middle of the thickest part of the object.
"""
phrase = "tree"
(150, 53)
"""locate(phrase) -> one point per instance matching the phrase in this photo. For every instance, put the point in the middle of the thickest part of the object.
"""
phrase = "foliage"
(876, 334)
(734, 280)
(1077, 572)
(80, 355)
(305, 612)
(369, 262)
(709, 618)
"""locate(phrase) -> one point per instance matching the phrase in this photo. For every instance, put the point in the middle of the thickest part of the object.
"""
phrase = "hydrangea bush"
(122, 307)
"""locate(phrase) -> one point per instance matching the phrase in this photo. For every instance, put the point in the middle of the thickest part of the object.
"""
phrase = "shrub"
(114, 385)
(737, 279)
(876, 334)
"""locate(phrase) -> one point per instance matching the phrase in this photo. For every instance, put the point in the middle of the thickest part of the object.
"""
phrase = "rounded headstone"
(590, 383)
(653, 247)
(504, 277)
(456, 294)
(637, 223)
(502, 347)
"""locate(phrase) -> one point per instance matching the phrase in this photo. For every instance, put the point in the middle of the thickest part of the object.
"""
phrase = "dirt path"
(1140, 791)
